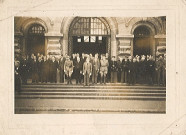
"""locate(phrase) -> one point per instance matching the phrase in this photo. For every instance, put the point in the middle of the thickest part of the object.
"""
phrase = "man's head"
(120, 58)
(113, 58)
(78, 59)
(87, 59)
(44, 58)
(34, 58)
(53, 58)
(134, 59)
(103, 57)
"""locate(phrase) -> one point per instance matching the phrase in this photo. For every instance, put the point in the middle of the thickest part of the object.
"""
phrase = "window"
(89, 26)
(36, 29)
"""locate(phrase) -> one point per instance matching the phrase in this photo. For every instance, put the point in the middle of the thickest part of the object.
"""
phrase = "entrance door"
(36, 40)
(89, 35)
(89, 44)
(143, 41)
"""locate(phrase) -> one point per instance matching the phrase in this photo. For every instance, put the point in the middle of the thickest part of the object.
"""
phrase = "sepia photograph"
(88, 65)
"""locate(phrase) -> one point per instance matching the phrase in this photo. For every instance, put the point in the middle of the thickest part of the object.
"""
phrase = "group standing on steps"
(89, 70)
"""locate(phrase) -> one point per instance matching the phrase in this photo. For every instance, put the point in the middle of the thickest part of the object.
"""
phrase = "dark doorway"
(85, 44)
(143, 41)
(89, 35)
(36, 40)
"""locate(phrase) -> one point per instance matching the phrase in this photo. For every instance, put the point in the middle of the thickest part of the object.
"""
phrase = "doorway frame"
(65, 26)
(152, 30)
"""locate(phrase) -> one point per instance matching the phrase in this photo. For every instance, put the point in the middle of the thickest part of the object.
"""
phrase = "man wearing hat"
(103, 68)
(68, 69)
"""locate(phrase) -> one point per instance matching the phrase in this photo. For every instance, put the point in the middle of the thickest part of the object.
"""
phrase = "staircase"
(109, 98)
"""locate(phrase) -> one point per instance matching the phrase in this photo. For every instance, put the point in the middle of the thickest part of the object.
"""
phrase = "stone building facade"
(118, 36)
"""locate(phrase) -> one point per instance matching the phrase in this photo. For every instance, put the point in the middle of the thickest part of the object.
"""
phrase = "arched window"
(89, 35)
(36, 29)
(90, 26)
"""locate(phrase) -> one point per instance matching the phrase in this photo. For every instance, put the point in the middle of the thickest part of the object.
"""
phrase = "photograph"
(89, 65)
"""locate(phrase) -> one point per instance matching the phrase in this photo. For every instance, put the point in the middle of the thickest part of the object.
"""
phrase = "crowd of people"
(88, 69)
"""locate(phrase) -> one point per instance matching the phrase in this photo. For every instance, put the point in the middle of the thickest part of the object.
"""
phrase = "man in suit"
(40, 61)
(164, 70)
(44, 73)
(24, 69)
(61, 68)
(68, 69)
(17, 76)
(132, 71)
(113, 69)
(150, 70)
(87, 71)
(120, 69)
(159, 70)
(53, 70)
(95, 69)
(34, 68)
(126, 70)
(78, 70)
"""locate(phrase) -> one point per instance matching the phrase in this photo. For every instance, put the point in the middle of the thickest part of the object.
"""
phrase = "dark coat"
(53, 66)
(34, 67)
(78, 65)
(113, 66)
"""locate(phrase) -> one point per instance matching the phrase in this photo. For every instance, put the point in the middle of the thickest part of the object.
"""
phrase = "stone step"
(100, 97)
(54, 110)
(92, 87)
(90, 90)
(92, 93)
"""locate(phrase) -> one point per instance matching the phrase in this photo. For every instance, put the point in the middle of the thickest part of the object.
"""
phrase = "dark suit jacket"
(53, 66)
(61, 64)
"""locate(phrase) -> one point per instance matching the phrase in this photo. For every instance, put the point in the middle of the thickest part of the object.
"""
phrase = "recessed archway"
(89, 35)
(26, 27)
(36, 39)
(143, 42)
(112, 45)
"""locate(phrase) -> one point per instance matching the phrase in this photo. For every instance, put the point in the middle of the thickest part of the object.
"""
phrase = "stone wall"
(121, 42)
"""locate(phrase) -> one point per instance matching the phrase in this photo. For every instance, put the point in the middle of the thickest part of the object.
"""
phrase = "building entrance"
(36, 40)
(143, 41)
(89, 35)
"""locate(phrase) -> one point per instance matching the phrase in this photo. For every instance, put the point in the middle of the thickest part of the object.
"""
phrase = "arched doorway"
(36, 39)
(143, 41)
(89, 35)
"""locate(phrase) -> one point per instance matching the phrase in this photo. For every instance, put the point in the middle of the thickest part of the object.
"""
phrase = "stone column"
(18, 46)
(160, 44)
(53, 46)
(125, 45)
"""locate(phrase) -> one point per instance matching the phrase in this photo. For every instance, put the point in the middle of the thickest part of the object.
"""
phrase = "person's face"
(44, 58)
(96, 56)
(120, 59)
(106, 54)
(78, 59)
